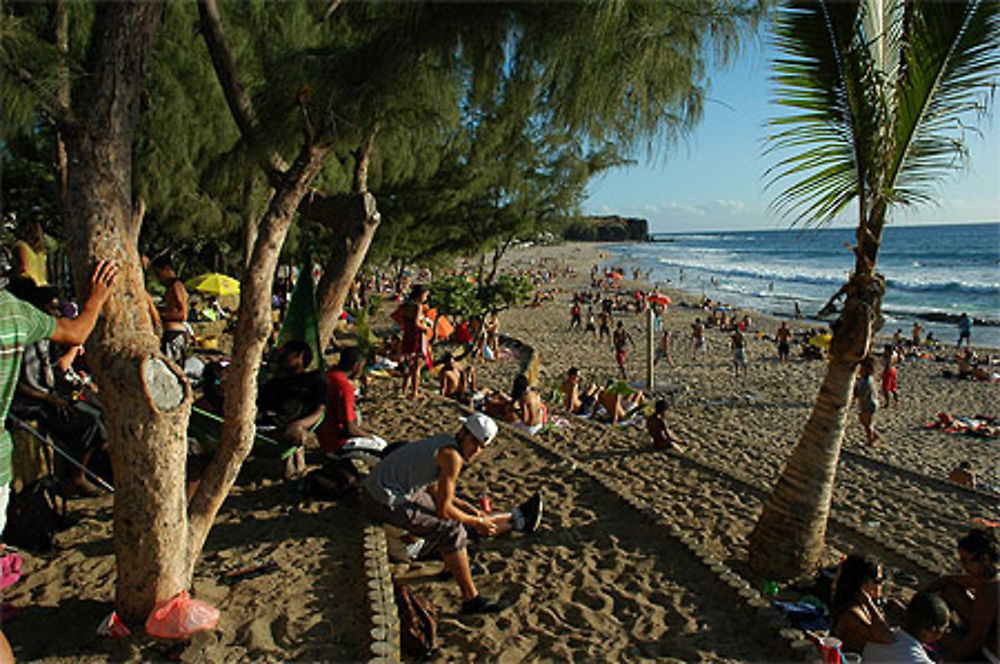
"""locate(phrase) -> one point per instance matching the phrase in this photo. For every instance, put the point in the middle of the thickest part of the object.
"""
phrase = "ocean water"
(933, 273)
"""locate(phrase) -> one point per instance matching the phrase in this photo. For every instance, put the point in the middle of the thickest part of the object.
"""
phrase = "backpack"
(418, 618)
(33, 517)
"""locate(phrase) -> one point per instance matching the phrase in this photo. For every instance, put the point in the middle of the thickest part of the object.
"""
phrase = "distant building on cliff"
(608, 229)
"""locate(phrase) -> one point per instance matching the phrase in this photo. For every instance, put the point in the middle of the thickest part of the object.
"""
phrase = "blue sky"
(715, 181)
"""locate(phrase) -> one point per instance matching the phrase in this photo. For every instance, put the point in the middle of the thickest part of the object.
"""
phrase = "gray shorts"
(418, 516)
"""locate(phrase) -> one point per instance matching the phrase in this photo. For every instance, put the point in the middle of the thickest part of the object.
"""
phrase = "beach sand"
(612, 574)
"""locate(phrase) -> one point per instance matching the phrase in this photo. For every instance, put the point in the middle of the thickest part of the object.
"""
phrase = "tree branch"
(332, 7)
(236, 97)
(61, 114)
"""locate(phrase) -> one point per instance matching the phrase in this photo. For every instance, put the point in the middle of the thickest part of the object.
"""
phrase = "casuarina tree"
(879, 94)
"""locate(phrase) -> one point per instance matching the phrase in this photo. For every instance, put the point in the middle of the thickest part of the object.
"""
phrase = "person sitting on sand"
(864, 394)
(973, 598)
(294, 400)
(925, 621)
(456, 381)
(963, 474)
(528, 408)
(414, 489)
(854, 613)
(574, 400)
(615, 405)
(656, 426)
(340, 434)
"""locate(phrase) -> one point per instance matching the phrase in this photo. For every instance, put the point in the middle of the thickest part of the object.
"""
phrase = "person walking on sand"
(915, 335)
(620, 339)
(591, 327)
(414, 489)
(784, 336)
(964, 330)
(738, 345)
(698, 343)
(604, 323)
(663, 353)
(865, 395)
(890, 377)
(575, 314)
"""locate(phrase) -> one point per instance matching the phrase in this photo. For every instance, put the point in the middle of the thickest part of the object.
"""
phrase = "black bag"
(331, 482)
(418, 619)
(33, 517)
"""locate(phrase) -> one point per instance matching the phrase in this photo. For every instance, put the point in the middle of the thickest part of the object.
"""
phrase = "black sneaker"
(479, 605)
(531, 510)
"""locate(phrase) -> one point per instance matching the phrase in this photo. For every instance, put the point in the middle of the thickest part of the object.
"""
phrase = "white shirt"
(904, 649)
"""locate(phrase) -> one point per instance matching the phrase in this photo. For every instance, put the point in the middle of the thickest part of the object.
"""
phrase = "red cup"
(829, 647)
(485, 504)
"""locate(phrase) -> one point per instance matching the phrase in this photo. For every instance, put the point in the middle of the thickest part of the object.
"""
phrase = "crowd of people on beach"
(414, 485)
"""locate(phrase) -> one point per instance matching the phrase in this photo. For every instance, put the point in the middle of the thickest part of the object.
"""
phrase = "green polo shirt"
(20, 324)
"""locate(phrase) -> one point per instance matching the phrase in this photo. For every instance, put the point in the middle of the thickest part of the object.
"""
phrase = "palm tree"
(879, 93)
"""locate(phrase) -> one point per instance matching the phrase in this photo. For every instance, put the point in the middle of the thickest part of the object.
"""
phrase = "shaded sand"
(608, 576)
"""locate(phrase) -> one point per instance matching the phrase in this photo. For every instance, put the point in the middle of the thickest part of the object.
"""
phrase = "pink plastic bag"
(10, 570)
(180, 616)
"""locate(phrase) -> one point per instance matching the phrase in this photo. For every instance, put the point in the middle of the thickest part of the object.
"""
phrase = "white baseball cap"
(482, 427)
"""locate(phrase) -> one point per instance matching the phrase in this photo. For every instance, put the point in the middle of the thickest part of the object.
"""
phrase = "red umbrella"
(659, 298)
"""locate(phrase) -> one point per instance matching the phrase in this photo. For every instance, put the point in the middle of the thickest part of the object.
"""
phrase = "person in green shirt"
(22, 324)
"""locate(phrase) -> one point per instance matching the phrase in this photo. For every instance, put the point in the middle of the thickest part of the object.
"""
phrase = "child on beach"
(656, 426)
(890, 380)
(698, 337)
(864, 394)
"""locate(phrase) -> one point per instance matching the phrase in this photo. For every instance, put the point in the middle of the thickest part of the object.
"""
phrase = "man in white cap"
(413, 488)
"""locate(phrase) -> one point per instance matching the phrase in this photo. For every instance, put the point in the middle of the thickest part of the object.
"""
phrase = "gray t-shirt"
(904, 649)
(407, 470)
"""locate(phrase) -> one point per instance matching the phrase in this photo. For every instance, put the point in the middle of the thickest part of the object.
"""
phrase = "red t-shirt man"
(339, 434)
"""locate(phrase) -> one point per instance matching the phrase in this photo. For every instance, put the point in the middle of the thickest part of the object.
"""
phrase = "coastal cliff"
(610, 228)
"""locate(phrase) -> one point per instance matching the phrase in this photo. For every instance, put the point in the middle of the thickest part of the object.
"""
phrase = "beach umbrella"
(213, 283)
(659, 298)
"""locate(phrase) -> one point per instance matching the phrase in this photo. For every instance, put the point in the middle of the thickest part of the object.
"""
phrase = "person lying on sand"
(973, 597)
(963, 474)
(617, 401)
(413, 488)
(656, 425)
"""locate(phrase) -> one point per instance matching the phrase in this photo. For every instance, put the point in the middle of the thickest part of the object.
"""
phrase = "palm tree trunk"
(790, 534)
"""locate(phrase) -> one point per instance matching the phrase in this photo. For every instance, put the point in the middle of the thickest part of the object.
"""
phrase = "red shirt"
(332, 433)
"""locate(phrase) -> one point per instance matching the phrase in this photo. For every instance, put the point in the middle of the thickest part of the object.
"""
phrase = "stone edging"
(382, 613)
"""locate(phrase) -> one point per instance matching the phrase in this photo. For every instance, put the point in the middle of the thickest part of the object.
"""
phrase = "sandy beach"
(613, 573)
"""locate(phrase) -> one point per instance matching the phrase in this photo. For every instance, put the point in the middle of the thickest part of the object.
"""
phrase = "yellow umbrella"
(213, 283)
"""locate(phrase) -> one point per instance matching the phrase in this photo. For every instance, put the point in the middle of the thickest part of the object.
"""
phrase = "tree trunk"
(354, 220)
(252, 329)
(250, 224)
(789, 536)
(147, 418)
